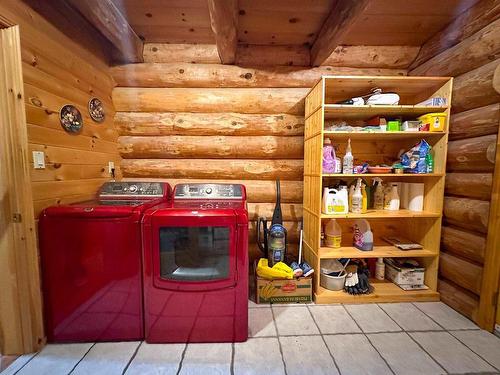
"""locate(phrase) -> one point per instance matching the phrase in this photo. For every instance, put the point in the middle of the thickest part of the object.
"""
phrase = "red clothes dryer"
(91, 264)
(196, 266)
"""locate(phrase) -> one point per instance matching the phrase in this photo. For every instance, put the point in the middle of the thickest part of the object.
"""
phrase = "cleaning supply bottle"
(337, 166)
(328, 158)
(351, 193)
(335, 201)
(387, 197)
(380, 269)
(333, 234)
(348, 161)
(378, 195)
(357, 198)
(364, 202)
(393, 198)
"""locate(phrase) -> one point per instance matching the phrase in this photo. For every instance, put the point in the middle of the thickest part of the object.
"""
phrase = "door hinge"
(16, 218)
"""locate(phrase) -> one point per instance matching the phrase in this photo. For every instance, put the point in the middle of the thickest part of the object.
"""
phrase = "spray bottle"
(357, 198)
(348, 162)
(364, 202)
(378, 194)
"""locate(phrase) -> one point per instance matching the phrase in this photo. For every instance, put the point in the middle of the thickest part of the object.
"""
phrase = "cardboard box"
(401, 275)
(284, 291)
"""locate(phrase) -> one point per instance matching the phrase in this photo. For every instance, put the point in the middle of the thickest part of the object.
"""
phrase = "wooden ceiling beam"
(224, 22)
(111, 23)
(342, 17)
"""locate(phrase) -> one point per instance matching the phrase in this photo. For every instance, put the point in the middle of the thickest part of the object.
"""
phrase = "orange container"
(436, 121)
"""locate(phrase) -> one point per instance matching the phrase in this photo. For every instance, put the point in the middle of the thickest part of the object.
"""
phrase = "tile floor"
(400, 338)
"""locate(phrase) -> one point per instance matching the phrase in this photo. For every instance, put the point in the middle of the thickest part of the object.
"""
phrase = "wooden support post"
(338, 24)
(490, 287)
(21, 326)
(224, 21)
(106, 18)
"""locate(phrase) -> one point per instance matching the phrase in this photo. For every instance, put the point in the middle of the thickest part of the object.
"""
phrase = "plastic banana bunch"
(279, 271)
(268, 291)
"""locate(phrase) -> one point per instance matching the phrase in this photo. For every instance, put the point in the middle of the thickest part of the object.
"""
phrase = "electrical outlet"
(38, 160)
(111, 166)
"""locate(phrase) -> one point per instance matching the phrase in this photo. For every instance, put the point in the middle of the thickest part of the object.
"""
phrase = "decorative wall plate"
(70, 118)
(96, 110)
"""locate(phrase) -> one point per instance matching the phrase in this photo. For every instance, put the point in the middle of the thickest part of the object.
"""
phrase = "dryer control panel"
(132, 189)
(208, 191)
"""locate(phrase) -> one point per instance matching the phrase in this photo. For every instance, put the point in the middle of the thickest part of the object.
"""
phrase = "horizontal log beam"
(219, 147)
(214, 169)
(206, 124)
(461, 28)
(342, 17)
(475, 88)
(290, 212)
(272, 55)
(390, 57)
(472, 155)
(184, 75)
(258, 191)
(458, 298)
(181, 53)
(463, 273)
(465, 244)
(469, 185)
(473, 52)
(470, 214)
(247, 100)
(108, 19)
(475, 122)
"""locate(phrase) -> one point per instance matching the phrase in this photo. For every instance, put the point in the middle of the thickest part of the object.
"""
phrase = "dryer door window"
(195, 253)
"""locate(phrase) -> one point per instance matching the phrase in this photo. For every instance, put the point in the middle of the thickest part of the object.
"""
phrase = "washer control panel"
(208, 191)
(131, 189)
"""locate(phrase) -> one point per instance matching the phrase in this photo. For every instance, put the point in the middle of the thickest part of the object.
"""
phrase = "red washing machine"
(196, 266)
(91, 264)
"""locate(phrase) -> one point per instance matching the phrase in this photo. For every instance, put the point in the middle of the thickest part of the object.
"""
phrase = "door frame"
(21, 321)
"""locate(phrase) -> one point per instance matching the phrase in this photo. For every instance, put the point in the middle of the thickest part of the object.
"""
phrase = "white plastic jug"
(333, 234)
(335, 201)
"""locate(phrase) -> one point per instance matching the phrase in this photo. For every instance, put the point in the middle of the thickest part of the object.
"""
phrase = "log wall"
(197, 122)
(472, 59)
(57, 71)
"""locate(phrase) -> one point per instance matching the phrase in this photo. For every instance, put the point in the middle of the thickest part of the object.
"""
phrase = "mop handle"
(300, 244)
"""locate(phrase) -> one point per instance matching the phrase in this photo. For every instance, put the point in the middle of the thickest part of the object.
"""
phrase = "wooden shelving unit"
(375, 147)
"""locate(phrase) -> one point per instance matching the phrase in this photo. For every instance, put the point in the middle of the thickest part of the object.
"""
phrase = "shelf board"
(404, 175)
(380, 136)
(385, 251)
(364, 112)
(382, 214)
(383, 292)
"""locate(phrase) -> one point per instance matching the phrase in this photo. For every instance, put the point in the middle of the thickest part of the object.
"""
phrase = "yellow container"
(436, 121)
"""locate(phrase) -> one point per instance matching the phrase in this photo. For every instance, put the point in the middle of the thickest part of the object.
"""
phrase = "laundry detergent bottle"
(335, 201)
(333, 234)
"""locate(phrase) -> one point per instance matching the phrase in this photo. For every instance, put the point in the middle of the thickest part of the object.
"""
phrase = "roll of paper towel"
(415, 197)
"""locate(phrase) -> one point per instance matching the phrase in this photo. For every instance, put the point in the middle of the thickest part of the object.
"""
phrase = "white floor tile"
(333, 319)
(355, 355)
(409, 317)
(307, 355)
(445, 316)
(207, 359)
(483, 343)
(261, 323)
(450, 353)
(108, 358)
(252, 304)
(403, 355)
(258, 356)
(156, 359)
(371, 318)
(55, 359)
(17, 364)
(294, 321)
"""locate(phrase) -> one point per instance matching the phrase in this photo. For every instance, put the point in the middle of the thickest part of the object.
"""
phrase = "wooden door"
(21, 324)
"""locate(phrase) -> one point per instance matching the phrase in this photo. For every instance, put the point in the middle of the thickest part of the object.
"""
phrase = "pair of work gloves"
(357, 279)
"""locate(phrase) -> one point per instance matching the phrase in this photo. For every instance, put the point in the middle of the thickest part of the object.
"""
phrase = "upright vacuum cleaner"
(272, 241)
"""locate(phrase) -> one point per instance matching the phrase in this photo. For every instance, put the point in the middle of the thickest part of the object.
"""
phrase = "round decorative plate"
(70, 118)
(96, 110)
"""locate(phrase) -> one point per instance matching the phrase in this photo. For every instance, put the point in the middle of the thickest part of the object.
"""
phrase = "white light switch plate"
(111, 166)
(38, 160)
